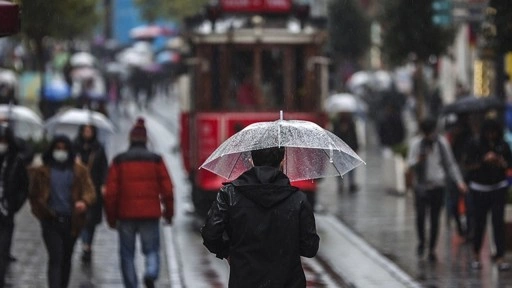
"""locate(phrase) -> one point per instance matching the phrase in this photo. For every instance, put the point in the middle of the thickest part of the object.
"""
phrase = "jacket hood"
(265, 185)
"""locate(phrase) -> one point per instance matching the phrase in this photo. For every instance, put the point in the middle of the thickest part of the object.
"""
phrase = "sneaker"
(476, 265)
(149, 283)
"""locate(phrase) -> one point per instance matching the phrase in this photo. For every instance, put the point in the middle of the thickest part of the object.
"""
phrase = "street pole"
(107, 4)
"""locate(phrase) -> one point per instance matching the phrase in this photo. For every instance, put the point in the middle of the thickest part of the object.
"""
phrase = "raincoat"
(269, 224)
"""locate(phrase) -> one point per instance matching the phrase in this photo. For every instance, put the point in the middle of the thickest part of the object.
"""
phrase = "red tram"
(246, 69)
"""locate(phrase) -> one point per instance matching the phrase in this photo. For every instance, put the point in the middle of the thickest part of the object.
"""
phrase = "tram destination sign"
(256, 6)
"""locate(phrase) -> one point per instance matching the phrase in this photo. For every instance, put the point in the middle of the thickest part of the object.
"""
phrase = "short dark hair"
(428, 125)
(268, 156)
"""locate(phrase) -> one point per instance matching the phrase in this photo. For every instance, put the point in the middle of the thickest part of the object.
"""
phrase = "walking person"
(345, 128)
(488, 159)
(138, 185)
(13, 193)
(91, 154)
(268, 223)
(432, 161)
(60, 193)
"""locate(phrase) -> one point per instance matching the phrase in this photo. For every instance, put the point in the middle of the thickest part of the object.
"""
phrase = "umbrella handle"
(279, 129)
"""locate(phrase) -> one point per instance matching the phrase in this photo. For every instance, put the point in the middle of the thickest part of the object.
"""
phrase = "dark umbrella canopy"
(470, 104)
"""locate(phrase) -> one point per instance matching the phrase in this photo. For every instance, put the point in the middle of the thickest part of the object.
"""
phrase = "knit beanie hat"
(138, 132)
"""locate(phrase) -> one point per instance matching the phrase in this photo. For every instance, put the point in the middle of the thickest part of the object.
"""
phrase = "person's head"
(268, 157)
(428, 127)
(7, 142)
(60, 152)
(138, 134)
(87, 133)
(491, 130)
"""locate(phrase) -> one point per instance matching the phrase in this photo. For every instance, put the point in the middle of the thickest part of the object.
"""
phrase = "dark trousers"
(494, 202)
(59, 244)
(6, 232)
(432, 200)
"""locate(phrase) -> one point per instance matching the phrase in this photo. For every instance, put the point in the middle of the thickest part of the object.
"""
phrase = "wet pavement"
(368, 238)
(386, 222)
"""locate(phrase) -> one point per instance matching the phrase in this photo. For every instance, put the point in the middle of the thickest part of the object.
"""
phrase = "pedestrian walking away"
(345, 128)
(432, 162)
(92, 154)
(13, 193)
(138, 185)
(488, 159)
(269, 224)
(60, 193)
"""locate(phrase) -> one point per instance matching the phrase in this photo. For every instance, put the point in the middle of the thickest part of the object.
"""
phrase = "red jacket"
(137, 185)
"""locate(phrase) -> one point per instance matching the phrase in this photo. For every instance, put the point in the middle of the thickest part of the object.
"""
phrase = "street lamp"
(9, 18)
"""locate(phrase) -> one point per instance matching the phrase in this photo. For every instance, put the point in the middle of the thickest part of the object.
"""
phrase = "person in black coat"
(269, 224)
(488, 159)
(91, 154)
(13, 193)
(345, 128)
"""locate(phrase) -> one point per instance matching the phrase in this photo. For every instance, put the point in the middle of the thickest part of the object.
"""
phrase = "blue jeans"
(149, 231)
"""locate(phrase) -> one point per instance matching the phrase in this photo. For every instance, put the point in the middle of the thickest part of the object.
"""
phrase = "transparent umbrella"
(311, 151)
(77, 117)
(344, 102)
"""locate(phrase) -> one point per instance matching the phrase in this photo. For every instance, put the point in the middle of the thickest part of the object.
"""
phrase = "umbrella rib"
(333, 164)
(236, 161)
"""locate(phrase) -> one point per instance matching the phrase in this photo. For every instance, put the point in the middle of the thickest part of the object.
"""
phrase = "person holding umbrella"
(344, 127)
(91, 154)
(488, 158)
(269, 224)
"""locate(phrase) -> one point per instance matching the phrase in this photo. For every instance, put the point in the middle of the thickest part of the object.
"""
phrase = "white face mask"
(60, 155)
(3, 148)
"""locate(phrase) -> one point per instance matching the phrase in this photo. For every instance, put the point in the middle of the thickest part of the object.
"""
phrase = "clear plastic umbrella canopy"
(311, 151)
(77, 117)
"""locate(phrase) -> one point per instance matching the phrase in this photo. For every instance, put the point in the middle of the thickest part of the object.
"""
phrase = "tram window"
(245, 92)
(272, 86)
(242, 88)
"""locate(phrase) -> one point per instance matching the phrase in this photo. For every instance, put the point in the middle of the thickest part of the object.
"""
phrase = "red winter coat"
(137, 185)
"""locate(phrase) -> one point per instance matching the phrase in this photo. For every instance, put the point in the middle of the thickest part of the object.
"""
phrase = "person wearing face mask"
(431, 160)
(13, 193)
(91, 153)
(488, 158)
(60, 193)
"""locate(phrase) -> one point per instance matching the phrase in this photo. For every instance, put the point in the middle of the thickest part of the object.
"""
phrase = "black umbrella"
(471, 104)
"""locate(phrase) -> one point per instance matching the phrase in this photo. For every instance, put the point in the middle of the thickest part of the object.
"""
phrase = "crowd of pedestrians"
(71, 188)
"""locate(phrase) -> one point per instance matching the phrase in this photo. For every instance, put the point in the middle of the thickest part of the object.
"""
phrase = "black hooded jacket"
(15, 179)
(263, 225)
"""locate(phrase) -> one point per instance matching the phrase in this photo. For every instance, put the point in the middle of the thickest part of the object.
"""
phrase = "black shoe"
(150, 283)
(86, 257)
(420, 251)
(353, 188)
(11, 258)
(432, 257)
